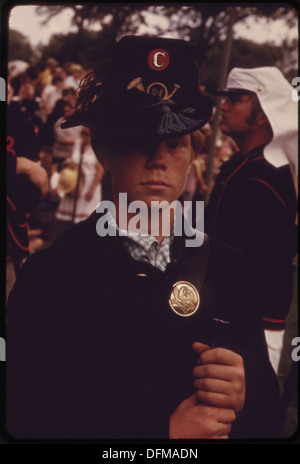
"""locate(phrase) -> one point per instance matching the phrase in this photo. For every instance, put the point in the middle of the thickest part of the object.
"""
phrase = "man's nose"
(157, 157)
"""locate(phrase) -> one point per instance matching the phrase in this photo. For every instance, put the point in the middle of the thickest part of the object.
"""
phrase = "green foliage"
(87, 47)
(114, 17)
(91, 49)
(19, 47)
(244, 54)
(204, 24)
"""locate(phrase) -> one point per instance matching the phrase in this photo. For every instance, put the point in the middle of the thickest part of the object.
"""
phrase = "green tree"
(19, 47)
(90, 48)
(203, 23)
(244, 54)
(113, 19)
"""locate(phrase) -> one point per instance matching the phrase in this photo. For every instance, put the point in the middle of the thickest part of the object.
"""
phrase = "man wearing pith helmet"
(253, 206)
(140, 336)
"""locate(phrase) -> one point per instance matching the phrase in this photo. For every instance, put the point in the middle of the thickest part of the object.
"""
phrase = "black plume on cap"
(150, 91)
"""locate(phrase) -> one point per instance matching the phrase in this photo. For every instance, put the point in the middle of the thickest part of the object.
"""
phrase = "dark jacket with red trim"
(22, 196)
(253, 207)
(94, 350)
(16, 221)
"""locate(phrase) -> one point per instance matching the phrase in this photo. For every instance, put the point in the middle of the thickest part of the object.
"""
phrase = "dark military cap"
(150, 91)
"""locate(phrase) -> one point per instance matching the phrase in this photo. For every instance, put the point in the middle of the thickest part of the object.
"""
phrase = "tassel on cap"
(171, 122)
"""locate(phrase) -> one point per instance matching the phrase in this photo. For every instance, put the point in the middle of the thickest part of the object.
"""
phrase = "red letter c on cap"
(158, 59)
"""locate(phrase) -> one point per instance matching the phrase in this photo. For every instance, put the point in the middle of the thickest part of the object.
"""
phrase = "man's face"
(154, 172)
(237, 115)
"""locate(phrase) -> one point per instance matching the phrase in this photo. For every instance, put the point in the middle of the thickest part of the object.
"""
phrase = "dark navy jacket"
(253, 207)
(94, 350)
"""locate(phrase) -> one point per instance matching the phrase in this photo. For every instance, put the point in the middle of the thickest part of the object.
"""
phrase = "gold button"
(259, 89)
(184, 299)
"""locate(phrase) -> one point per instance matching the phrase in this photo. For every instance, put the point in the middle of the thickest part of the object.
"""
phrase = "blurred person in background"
(51, 93)
(78, 183)
(60, 72)
(64, 140)
(253, 205)
(69, 95)
(46, 75)
(65, 103)
(24, 125)
(58, 147)
(76, 73)
(27, 183)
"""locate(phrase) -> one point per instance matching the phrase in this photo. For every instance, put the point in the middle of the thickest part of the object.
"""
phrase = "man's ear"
(103, 160)
(105, 163)
(100, 152)
(261, 119)
(193, 156)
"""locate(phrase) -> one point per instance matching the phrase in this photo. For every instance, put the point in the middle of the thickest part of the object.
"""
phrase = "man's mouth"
(156, 184)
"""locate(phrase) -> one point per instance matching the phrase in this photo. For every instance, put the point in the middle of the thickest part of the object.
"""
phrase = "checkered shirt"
(144, 247)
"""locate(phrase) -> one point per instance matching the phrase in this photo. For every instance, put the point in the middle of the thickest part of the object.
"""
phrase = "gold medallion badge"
(184, 299)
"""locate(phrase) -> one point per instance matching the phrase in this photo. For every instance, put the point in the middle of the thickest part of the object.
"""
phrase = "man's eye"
(173, 145)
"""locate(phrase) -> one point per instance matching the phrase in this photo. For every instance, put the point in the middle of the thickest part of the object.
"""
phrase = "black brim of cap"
(232, 91)
(159, 119)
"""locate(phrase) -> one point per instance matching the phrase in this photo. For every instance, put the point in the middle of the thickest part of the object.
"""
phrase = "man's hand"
(194, 420)
(219, 377)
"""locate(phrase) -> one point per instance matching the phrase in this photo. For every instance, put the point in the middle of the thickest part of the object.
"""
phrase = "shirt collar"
(143, 247)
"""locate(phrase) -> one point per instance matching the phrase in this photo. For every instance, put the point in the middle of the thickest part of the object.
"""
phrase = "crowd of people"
(38, 100)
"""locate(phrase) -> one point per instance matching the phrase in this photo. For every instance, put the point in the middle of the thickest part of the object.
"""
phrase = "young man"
(113, 334)
(253, 205)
